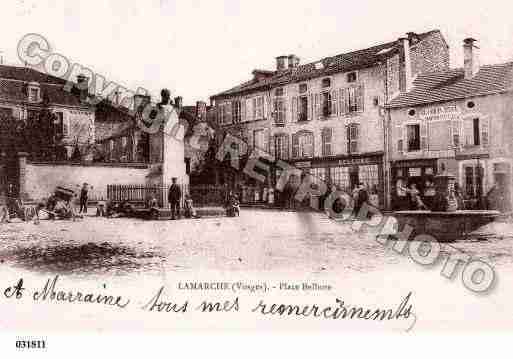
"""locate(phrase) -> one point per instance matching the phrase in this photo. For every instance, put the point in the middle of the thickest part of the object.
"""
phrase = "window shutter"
(265, 142)
(334, 103)
(468, 132)
(423, 136)
(254, 106)
(294, 109)
(456, 133)
(348, 139)
(318, 112)
(342, 102)
(242, 110)
(400, 139)
(295, 146)
(286, 146)
(484, 131)
(65, 126)
(267, 107)
(219, 115)
(284, 110)
(274, 111)
(228, 113)
(310, 115)
(359, 98)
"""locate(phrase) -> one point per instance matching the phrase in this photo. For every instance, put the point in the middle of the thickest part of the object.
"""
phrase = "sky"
(198, 48)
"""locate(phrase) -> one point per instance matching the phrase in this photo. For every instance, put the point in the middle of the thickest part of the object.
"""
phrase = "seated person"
(189, 210)
(100, 208)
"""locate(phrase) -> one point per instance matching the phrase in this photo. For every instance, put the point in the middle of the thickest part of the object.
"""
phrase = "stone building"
(25, 92)
(326, 117)
(456, 121)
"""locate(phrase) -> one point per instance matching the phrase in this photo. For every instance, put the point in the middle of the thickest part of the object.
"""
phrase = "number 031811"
(30, 344)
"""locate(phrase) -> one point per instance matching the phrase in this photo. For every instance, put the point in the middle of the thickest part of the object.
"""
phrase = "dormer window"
(326, 82)
(34, 92)
(352, 77)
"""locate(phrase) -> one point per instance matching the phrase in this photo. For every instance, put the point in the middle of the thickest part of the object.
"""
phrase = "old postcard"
(291, 166)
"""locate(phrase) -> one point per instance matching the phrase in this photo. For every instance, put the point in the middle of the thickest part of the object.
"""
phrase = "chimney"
(408, 76)
(83, 86)
(280, 63)
(201, 110)
(293, 61)
(178, 102)
(470, 58)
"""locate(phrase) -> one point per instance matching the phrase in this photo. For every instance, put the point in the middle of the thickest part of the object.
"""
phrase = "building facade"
(327, 117)
(456, 121)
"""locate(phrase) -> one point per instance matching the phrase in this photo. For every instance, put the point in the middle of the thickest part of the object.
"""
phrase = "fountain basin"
(445, 226)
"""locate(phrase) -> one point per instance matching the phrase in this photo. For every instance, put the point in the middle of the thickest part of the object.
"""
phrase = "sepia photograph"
(280, 167)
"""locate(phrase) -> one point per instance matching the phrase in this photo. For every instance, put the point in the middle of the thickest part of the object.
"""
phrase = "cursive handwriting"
(339, 311)
(50, 292)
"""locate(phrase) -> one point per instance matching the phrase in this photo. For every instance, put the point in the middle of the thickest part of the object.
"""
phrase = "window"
(123, 141)
(413, 137)
(281, 146)
(368, 174)
(259, 139)
(318, 175)
(279, 111)
(352, 138)
(303, 88)
(33, 94)
(326, 104)
(340, 177)
(326, 135)
(473, 180)
(303, 145)
(471, 129)
(351, 100)
(60, 126)
(326, 82)
(303, 108)
(352, 77)
(278, 91)
(258, 108)
(6, 112)
(236, 111)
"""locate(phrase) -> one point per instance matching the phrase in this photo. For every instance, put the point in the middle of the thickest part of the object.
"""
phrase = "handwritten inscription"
(160, 303)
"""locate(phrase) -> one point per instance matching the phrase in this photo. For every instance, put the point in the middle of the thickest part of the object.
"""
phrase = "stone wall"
(40, 179)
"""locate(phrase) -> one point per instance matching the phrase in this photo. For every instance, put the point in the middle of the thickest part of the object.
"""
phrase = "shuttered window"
(303, 144)
(281, 146)
(326, 136)
(352, 138)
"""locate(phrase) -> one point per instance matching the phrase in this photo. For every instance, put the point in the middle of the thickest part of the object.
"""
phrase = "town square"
(225, 166)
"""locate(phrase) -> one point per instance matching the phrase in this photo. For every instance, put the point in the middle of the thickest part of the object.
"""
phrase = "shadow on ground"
(88, 258)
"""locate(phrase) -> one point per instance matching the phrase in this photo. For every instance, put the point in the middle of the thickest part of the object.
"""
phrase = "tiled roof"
(13, 82)
(27, 74)
(350, 61)
(15, 91)
(451, 85)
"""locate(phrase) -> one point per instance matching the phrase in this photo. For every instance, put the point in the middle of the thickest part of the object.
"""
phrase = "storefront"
(345, 172)
(412, 171)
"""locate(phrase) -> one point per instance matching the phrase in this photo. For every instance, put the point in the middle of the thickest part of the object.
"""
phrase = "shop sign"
(354, 161)
(414, 172)
(305, 164)
(440, 113)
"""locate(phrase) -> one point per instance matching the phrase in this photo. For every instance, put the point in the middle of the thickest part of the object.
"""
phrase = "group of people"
(409, 197)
